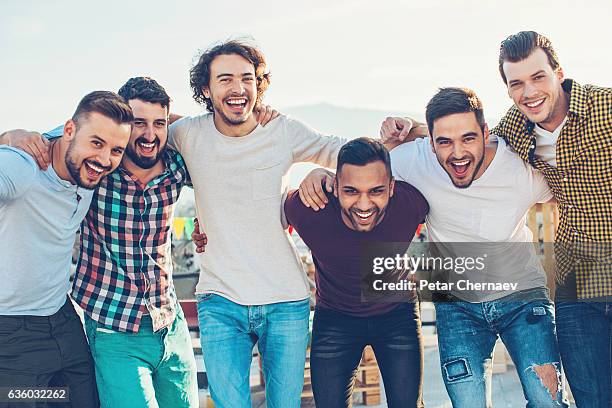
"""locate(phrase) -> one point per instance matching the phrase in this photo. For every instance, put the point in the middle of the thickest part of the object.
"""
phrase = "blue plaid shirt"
(125, 263)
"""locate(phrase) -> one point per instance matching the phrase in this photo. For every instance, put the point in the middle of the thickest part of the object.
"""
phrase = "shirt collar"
(578, 97)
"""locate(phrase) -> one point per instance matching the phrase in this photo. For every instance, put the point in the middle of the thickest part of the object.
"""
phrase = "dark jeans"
(338, 341)
(584, 331)
(49, 351)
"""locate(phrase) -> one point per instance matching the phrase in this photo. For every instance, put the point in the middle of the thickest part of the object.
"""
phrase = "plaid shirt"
(125, 264)
(581, 182)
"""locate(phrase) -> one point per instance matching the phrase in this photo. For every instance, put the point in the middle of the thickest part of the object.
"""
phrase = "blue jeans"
(229, 332)
(338, 341)
(585, 343)
(467, 333)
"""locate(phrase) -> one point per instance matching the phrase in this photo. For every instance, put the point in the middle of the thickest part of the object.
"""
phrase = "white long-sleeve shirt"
(239, 183)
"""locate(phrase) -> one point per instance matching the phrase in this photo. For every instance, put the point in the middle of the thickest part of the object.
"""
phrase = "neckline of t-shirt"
(499, 151)
(236, 139)
(541, 131)
(52, 175)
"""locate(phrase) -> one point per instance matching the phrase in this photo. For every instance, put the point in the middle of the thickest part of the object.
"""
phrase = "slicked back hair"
(146, 89)
(200, 73)
(451, 100)
(105, 103)
(362, 151)
(521, 45)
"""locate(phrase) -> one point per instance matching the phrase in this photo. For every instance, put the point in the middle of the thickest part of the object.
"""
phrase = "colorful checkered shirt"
(581, 182)
(125, 264)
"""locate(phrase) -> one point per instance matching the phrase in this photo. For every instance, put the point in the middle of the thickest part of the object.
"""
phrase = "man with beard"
(475, 208)
(136, 329)
(42, 343)
(367, 209)
(252, 287)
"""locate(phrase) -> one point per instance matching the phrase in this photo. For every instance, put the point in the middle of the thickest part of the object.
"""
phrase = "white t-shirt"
(491, 210)
(546, 143)
(239, 183)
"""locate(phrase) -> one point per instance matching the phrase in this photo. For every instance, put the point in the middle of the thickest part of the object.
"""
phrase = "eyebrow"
(244, 74)
(469, 134)
(518, 81)
(443, 138)
(98, 138)
(354, 188)
(154, 120)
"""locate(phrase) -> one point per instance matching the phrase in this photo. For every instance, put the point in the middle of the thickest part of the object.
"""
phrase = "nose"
(104, 157)
(237, 86)
(457, 150)
(529, 90)
(150, 131)
(364, 201)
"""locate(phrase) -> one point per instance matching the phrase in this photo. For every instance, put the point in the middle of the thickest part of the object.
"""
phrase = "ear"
(560, 74)
(486, 134)
(206, 91)
(336, 186)
(431, 143)
(69, 130)
(392, 187)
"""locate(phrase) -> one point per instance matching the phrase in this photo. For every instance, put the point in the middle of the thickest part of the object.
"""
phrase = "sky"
(385, 55)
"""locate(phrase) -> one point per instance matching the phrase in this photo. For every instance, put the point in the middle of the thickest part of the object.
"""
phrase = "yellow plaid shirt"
(581, 182)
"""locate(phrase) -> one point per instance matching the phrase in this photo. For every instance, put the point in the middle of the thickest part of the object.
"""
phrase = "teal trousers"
(145, 369)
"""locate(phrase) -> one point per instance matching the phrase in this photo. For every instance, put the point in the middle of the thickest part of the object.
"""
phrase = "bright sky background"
(388, 55)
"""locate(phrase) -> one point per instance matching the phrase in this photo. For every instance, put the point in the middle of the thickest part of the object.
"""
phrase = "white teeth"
(461, 163)
(535, 103)
(147, 145)
(94, 168)
(236, 101)
(363, 215)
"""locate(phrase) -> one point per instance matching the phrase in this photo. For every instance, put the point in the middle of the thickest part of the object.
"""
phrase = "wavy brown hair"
(199, 75)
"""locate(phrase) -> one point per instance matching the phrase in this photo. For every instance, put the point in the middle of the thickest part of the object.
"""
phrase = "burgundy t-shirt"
(337, 250)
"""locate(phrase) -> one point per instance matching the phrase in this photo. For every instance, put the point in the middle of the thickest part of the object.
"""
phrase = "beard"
(143, 161)
(352, 217)
(231, 120)
(476, 169)
(72, 164)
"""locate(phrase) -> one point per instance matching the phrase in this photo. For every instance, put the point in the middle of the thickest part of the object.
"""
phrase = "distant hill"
(345, 122)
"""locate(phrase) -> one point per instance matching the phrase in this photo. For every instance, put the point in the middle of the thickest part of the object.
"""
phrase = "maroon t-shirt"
(337, 250)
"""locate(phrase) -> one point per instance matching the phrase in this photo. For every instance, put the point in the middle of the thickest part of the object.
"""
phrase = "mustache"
(451, 159)
(144, 140)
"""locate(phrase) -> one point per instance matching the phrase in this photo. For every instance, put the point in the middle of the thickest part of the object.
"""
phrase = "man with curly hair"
(252, 287)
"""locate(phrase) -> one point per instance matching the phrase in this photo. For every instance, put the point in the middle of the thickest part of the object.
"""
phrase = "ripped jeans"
(467, 333)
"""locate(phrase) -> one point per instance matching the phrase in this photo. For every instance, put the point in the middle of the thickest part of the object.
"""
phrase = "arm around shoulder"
(309, 145)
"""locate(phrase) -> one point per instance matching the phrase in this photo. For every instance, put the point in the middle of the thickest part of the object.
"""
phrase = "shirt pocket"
(267, 180)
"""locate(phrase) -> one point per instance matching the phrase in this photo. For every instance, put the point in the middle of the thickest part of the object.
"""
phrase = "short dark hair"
(200, 74)
(105, 103)
(453, 100)
(519, 46)
(362, 151)
(146, 89)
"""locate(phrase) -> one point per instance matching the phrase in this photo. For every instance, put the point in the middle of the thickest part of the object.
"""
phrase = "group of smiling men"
(116, 169)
